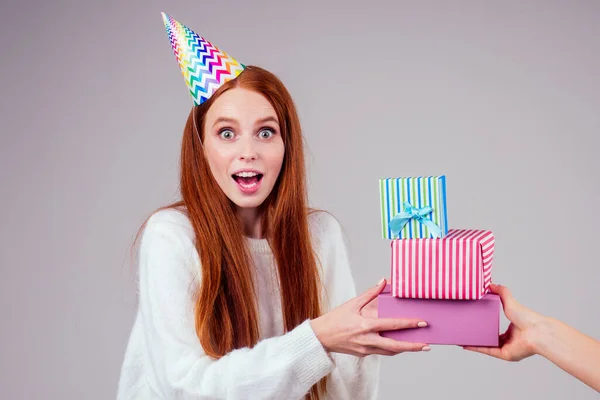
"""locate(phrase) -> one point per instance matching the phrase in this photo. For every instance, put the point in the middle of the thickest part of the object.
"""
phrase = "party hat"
(204, 67)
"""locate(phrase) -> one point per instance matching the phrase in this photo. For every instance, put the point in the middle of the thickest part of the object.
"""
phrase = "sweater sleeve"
(283, 367)
(352, 377)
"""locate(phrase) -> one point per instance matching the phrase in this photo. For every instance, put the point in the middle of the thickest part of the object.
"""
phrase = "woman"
(531, 333)
(244, 292)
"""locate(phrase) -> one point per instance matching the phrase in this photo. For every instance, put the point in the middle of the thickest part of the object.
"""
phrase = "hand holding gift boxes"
(438, 274)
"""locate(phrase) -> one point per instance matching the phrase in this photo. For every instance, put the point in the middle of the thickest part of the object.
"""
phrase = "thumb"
(512, 309)
(508, 301)
(370, 294)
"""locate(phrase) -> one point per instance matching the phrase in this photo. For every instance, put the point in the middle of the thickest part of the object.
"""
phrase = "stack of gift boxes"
(439, 275)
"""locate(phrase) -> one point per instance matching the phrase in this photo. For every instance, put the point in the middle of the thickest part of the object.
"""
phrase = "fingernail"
(380, 282)
(422, 324)
(426, 348)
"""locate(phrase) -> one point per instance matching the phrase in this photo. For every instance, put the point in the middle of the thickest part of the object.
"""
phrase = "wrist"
(541, 334)
(318, 328)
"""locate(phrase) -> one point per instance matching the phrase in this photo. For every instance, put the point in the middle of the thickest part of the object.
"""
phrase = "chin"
(242, 203)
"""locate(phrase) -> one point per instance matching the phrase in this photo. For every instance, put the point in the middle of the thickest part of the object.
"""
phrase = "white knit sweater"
(164, 358)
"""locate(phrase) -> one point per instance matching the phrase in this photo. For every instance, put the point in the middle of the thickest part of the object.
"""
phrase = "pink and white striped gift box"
(457, 266)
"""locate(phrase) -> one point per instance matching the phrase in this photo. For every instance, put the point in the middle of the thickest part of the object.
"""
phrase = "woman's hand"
(345, 329)
(518, 342)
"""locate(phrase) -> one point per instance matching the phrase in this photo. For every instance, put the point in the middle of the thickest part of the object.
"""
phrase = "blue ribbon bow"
(410, 212)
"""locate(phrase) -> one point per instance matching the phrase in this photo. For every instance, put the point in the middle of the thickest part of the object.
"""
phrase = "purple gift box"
(453, 322)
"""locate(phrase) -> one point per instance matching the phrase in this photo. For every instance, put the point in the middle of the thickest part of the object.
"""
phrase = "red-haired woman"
(245, 292)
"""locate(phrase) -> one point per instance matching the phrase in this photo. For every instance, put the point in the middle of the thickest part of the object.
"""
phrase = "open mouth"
(247, 179)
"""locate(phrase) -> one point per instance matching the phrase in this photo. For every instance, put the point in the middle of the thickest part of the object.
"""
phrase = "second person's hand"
(518, 342)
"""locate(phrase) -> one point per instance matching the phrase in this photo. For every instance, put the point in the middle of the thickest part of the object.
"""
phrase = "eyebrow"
(270, 118)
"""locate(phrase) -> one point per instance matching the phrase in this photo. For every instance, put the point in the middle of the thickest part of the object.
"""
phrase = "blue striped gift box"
(420, 192)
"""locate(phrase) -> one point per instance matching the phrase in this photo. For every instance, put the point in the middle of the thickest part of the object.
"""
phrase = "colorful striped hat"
(204, 67)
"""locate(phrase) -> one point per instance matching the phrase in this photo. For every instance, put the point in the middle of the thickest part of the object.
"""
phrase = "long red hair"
(225, 318)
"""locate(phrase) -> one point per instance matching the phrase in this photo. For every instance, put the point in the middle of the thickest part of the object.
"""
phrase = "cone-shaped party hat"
(204, 67)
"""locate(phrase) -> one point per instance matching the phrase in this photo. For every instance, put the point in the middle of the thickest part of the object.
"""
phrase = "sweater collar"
(258, 245)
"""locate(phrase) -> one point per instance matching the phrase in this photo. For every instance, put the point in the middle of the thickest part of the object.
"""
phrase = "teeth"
(246, 174)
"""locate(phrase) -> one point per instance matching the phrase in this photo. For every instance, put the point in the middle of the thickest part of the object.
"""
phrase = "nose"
(248, 150)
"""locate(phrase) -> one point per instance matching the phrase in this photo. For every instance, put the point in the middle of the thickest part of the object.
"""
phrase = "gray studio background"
(502, 97)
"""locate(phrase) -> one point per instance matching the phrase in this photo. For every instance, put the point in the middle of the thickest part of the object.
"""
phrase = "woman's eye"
(266, 133)
(226, 134)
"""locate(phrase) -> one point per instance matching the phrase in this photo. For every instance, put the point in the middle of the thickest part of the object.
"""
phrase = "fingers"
(370, 294)
(490, 351)
(368, 350)
(392, 324)
(494, 351)
(370, 310)
(391, 346)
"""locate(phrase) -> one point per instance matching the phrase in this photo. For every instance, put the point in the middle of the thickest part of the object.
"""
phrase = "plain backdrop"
(500, 96)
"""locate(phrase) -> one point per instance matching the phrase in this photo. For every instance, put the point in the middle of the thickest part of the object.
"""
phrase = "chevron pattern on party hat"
(204, 67)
